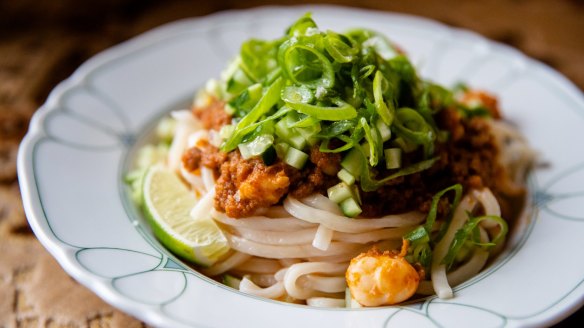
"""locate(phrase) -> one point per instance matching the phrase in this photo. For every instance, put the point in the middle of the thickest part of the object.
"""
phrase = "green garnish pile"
(353, 93)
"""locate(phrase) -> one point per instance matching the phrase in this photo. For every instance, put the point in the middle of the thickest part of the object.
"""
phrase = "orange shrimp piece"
(376, 278)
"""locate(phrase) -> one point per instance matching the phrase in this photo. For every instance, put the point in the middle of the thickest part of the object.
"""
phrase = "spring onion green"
(350, 93)
(470, 232)
(422, 239)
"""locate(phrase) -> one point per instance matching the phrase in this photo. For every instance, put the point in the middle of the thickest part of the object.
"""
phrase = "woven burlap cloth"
(42, 42)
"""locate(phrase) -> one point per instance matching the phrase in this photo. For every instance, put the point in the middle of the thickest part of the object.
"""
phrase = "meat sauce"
(212, 116)
(468, 158)
(244, 186)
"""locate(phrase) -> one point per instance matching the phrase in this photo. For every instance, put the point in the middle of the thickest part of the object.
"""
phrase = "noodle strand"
(287, 251)
(301, 269)
(218, 268)
(439, 279)
(275, 291)
(322, 238)
(341, 223)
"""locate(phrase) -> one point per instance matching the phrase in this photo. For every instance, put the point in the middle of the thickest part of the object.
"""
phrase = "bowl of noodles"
(332, 167)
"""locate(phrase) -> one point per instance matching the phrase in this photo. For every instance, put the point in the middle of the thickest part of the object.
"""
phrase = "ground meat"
(312, 180)
(308, 184)
(212, 157)
(203, 154)
(488, 101)
(212, 116)
(243, 186)
(451, 121)
(246, 185)
(318, 175)
(191, 159)
(468, 158)
(329, 163)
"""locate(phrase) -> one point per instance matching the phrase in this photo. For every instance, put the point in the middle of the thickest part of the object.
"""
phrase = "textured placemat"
(41, 43)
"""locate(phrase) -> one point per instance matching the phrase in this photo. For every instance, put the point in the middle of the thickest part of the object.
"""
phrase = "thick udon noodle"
(299, 251)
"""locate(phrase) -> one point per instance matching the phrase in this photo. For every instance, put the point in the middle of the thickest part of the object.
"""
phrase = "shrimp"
(376, 278)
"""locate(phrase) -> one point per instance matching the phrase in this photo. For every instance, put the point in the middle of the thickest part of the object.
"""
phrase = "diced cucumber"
(281, 149)
(256, 147)
(350, 208)
(295, 158)
(346, 177)
(352, 162)
(310, 131)
(393, 158)
(297, 141)
(339, 192)
(357, 195)
(282, 130)
(231, 281)
(383, 129)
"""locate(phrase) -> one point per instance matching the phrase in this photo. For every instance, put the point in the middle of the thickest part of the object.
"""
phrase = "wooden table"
(41, 43)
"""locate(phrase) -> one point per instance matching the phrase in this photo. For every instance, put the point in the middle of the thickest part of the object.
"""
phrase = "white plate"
(81, 141)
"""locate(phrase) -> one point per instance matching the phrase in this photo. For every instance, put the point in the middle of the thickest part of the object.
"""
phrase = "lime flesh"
(167, 205)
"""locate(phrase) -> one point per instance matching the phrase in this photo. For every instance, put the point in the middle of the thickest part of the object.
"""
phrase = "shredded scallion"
(339, 92)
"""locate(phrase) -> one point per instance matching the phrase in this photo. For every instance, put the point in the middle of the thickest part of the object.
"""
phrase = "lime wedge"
(167, 205)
